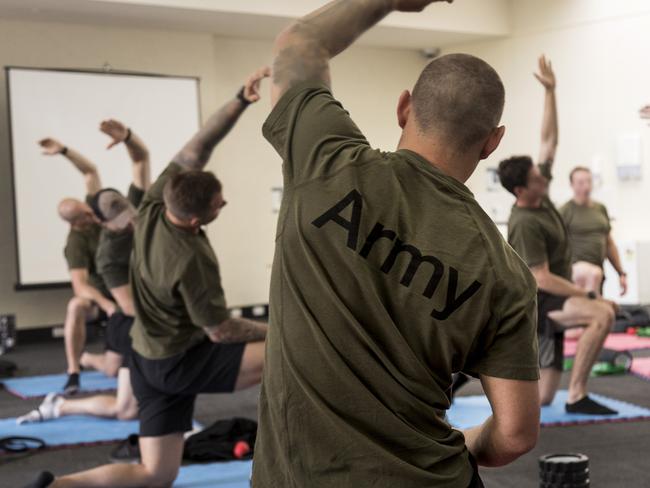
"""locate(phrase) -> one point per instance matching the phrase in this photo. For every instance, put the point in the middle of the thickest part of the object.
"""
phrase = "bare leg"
(598, 316)
(250, 371)
(123, 406)
(161, 460)
(79, 310)
(549, 382)
(108, 362)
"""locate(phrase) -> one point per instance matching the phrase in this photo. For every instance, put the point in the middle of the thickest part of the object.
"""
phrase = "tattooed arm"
(236, 330)
(197, 151)
(303, 50)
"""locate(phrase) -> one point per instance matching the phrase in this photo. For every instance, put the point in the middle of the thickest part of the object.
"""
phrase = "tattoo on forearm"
(237, 330)
(197, 151)
(318, 37)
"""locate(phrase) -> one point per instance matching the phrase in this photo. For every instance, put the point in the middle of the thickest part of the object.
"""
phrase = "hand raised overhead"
(645, 112)
(252, 84)
(114, 129)
(546, 76)
(51, 146)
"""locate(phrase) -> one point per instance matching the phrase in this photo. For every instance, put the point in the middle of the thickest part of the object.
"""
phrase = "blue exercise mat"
(38, 386)
(72, 430)
(234, 474)
(471, 411)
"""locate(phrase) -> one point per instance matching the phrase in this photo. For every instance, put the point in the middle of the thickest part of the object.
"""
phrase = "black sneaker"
(128, 451)
(587, 406)
(43, 480)
(72, 385)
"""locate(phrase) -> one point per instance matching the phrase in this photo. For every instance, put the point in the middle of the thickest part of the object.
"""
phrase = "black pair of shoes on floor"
(43, 480)
(128, 451)
(587, 406)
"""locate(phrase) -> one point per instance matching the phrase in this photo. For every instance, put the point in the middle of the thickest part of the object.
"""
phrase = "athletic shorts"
(167, 388)
(549, 335)
(118, 338)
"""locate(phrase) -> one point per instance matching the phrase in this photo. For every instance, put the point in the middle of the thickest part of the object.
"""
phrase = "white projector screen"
(69, 106)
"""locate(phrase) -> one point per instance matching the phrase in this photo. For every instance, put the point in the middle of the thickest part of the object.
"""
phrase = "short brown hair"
(461, 96)
(576, 169)
(513, 172)
(190, 194)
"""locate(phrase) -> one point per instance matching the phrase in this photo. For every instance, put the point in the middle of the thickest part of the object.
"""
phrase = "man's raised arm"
(52, 147)
(138, 151)
(196, 153)
(303, 50)
(546, 77)
(645, 113)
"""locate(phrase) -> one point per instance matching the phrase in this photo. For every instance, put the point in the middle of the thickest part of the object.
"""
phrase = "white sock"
(48, 410)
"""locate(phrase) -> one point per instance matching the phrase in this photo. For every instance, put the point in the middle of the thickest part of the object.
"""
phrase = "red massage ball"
(241, 449)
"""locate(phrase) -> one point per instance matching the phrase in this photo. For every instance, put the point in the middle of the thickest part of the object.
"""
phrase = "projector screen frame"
(18, 285)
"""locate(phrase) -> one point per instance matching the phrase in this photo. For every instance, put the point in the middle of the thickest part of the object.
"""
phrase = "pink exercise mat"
(616, 342)
(641, 367)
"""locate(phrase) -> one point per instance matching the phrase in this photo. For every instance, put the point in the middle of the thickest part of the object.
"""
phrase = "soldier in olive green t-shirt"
(112, 258)
(184, 342)
(387, 279)
(587, 222)
(538, 234)
(90, 293)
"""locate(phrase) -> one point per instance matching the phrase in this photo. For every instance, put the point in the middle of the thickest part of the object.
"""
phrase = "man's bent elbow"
(513, 449)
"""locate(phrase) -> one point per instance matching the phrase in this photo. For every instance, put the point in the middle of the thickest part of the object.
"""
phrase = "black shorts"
(476, 482)
(118, 338)
(550, 337)
(167, 388)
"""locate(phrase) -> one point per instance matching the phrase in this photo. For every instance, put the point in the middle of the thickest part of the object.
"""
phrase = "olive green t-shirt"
(80, 249)
(588, 227)
(175, 280)
(539, 235)
(387, 278)
(114, 249)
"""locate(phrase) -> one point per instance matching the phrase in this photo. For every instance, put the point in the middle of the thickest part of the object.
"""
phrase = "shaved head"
(458, 97)
(75, 212)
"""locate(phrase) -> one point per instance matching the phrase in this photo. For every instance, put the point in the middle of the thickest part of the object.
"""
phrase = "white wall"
(600, 52)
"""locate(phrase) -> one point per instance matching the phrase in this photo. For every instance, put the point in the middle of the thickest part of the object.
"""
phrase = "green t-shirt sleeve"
(76, 252)
(200, 287)
(509, 346)
(528, 241)
(155, 193)
(313, 134)
(603, 209)
(135, 195)
(112, 273)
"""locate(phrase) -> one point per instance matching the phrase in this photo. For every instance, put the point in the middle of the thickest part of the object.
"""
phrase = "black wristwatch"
(242, 98)
(592, 295)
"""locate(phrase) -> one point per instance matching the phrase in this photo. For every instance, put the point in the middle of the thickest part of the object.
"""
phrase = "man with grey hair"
(91, 298)
(388, 278)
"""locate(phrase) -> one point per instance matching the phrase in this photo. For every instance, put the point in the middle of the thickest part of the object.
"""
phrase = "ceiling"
(439, 25)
